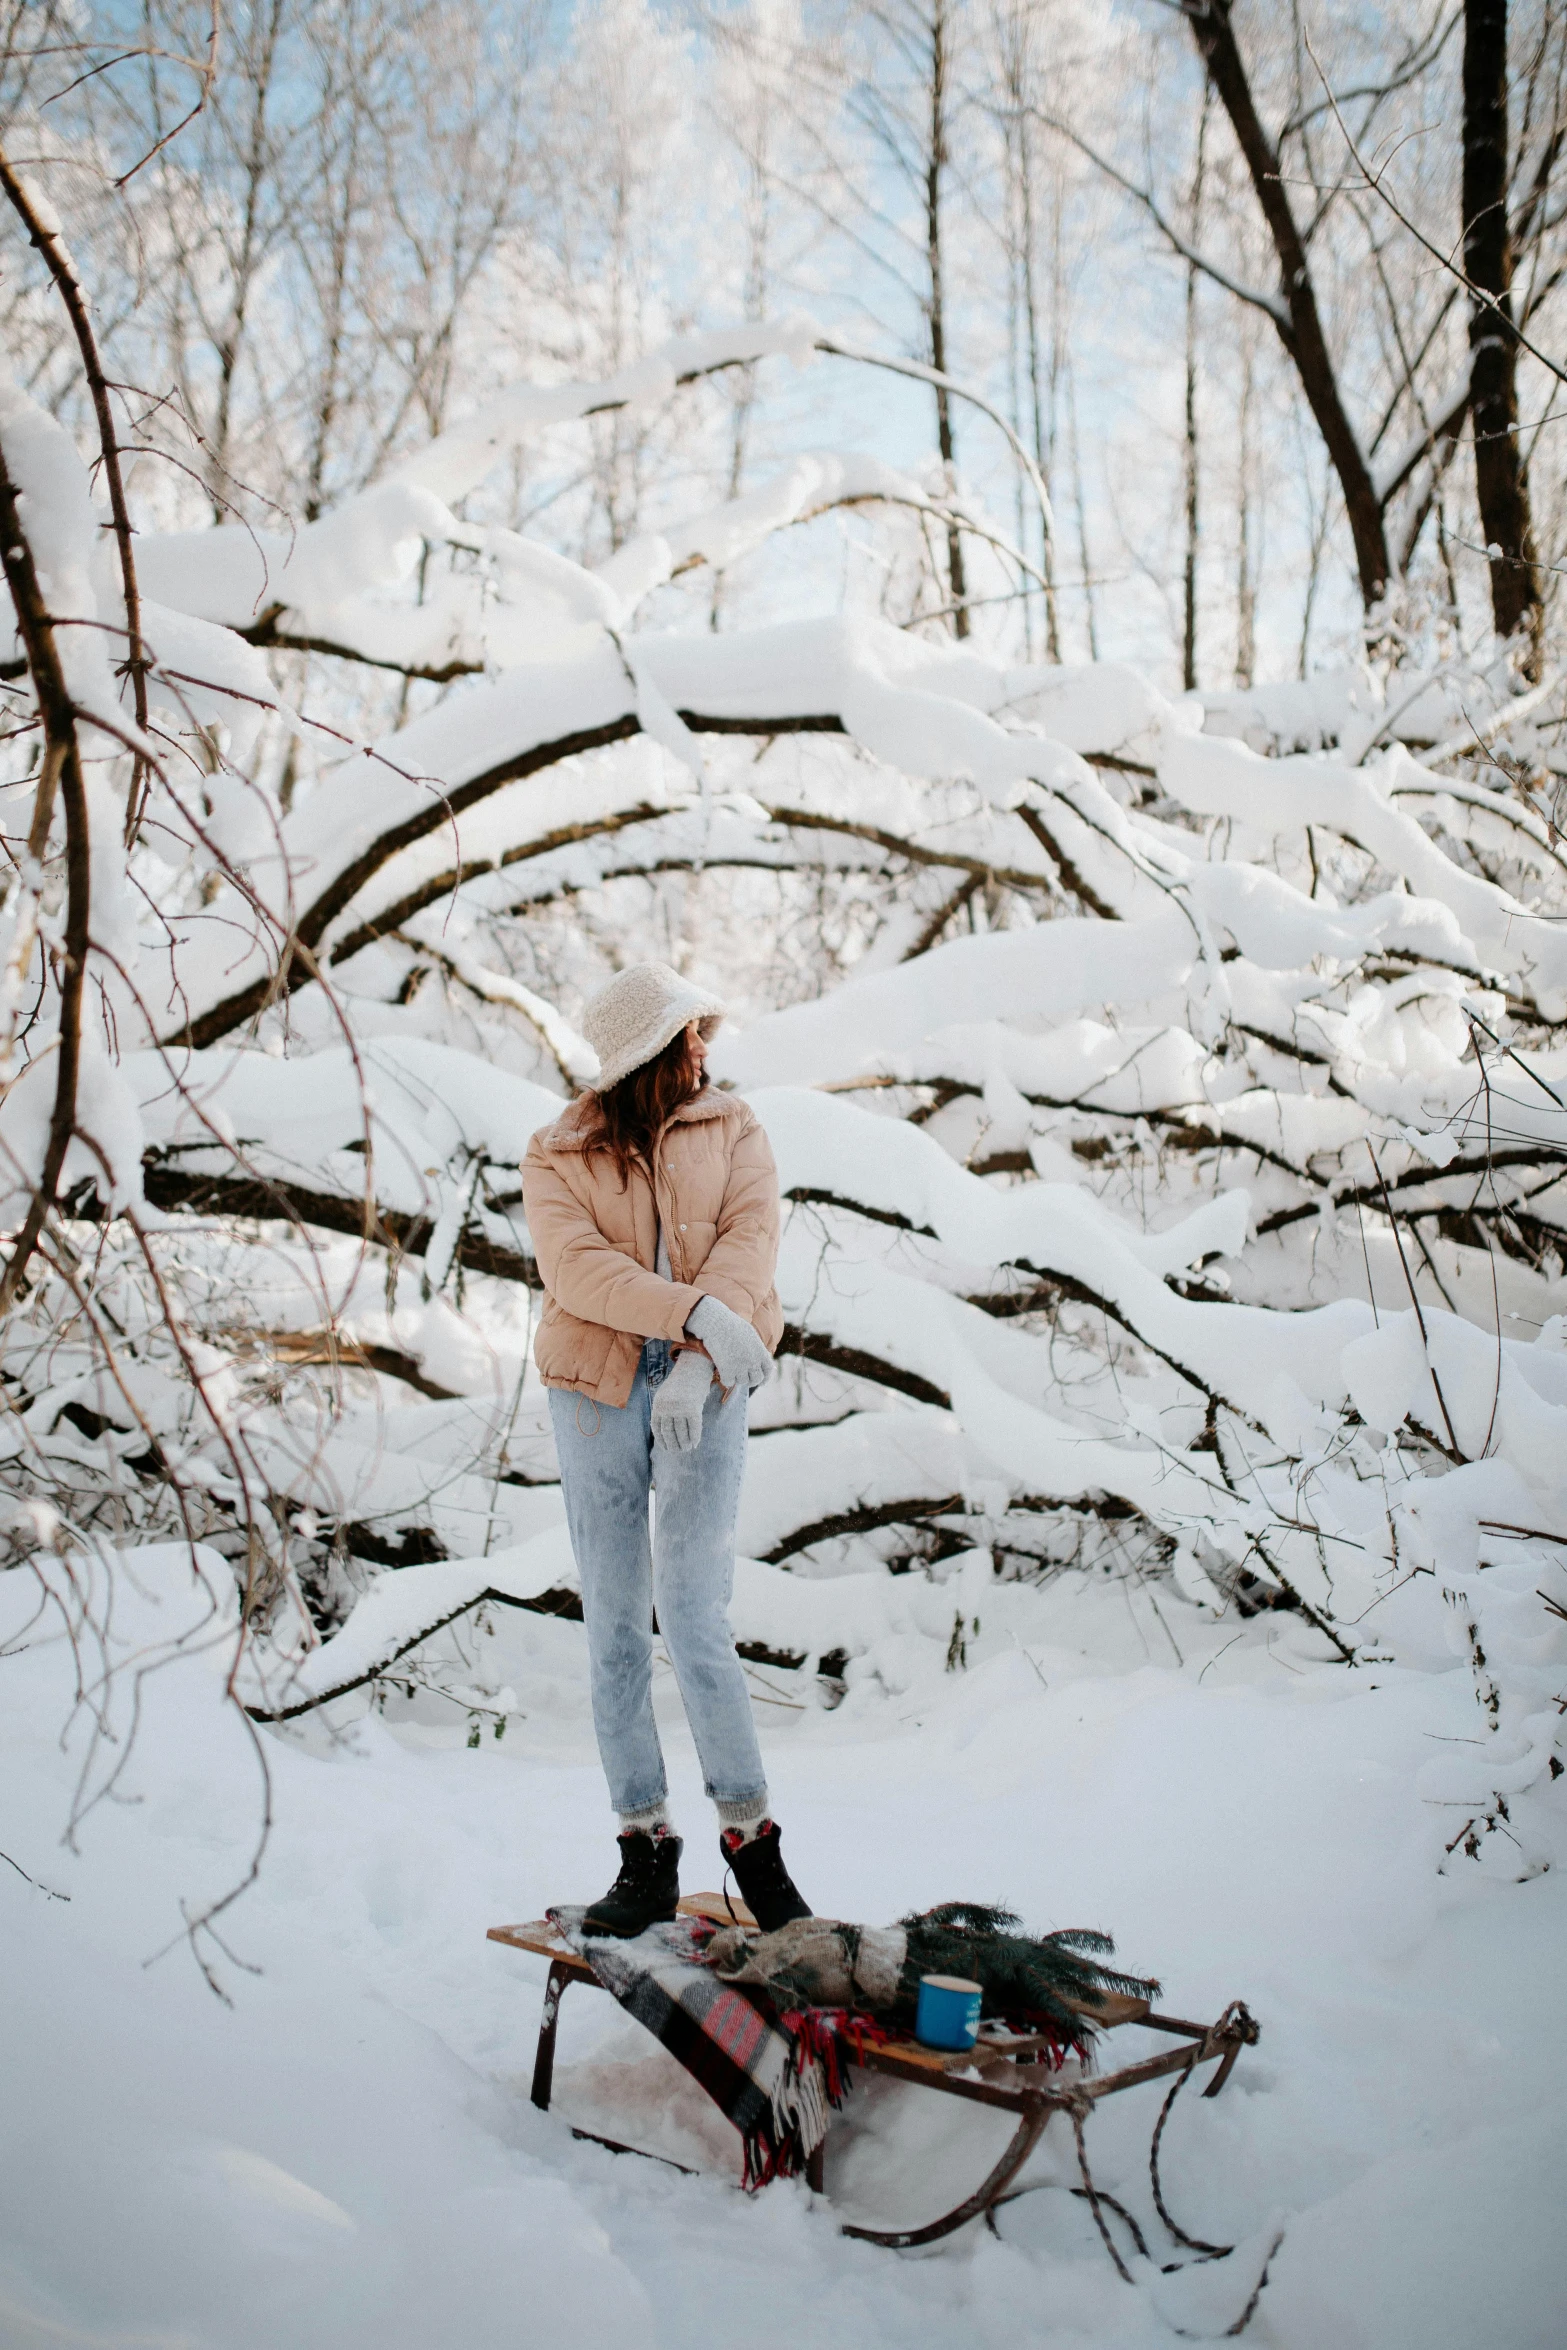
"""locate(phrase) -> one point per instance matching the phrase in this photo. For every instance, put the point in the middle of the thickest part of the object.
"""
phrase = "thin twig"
(1425, 1338)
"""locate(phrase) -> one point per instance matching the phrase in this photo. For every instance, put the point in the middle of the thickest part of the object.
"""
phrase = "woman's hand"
(739, 1357)
(678, 1402)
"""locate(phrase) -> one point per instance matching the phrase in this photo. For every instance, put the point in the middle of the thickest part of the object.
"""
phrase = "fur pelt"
(1053, 1983)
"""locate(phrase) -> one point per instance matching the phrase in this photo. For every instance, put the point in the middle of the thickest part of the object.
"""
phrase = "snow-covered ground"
(346, 2154)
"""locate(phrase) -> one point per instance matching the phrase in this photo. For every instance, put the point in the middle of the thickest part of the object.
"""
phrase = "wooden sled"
(999, 2071)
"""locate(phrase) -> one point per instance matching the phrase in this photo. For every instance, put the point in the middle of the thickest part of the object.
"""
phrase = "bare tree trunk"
(246, 260)
(1298, 320)
(1193, 510)
(759, 210)
(935, 164)
(1245, 576)
(1023, 320)
(1080, 499)
(1044, 442)
(341, 207)
(1501, 483)
(1015, 304)
(1320, 514)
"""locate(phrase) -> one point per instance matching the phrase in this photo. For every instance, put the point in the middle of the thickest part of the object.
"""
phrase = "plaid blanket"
(776, 2081)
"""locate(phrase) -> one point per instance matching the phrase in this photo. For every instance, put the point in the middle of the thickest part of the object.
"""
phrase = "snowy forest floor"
(347, 2154)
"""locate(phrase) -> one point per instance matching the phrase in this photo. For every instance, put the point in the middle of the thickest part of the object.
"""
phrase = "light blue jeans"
(608, 1466)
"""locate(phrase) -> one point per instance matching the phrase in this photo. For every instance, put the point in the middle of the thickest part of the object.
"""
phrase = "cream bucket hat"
(643, 1009)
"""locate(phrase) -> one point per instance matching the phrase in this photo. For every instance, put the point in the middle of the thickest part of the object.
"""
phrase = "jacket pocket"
(571, 1350)
(696, 1244)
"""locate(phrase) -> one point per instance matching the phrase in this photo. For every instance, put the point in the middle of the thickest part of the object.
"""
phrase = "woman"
(653, 1206)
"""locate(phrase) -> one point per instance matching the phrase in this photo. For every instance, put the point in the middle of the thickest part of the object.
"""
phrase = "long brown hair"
(634, 1113)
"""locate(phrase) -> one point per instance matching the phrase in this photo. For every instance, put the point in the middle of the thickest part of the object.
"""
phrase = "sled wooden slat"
(1001, 2070)
(543, 1939)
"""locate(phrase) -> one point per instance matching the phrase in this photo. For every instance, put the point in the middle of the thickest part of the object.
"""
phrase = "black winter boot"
(646, 1890)
(766, 1887)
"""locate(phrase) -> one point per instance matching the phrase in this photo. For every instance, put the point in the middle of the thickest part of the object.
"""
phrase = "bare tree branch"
(48, 242)
(62, 769)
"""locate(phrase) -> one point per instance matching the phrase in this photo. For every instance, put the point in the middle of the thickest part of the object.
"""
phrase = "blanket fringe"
(823, 2041)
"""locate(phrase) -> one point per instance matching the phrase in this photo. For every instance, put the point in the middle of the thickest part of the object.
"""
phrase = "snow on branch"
(1171, 1136)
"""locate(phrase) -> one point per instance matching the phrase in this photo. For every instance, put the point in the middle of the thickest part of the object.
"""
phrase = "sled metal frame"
(995, 2072)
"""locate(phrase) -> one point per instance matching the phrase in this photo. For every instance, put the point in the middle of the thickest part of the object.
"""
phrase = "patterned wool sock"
(741, 1819)
(652, 1818)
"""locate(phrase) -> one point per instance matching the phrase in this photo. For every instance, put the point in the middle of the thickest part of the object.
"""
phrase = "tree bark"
(935, 164)
(1299, 323)
(1192, 471)
(1501, 484)
(1044, 442)
(1245, 570)
(244, 263)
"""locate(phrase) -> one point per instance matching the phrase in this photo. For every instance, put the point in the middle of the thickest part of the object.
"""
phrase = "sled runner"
(1008, 2071)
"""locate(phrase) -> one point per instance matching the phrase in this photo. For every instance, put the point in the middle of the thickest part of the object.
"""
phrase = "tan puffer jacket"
(596, 1240)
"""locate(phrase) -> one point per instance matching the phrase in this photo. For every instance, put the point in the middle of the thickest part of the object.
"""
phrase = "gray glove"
(739, 1357)
(678, 1401)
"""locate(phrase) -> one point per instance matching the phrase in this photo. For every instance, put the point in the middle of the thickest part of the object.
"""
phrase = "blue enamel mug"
(948, 2012)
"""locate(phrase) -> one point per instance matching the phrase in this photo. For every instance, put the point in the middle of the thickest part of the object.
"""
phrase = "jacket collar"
(576, 1123)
